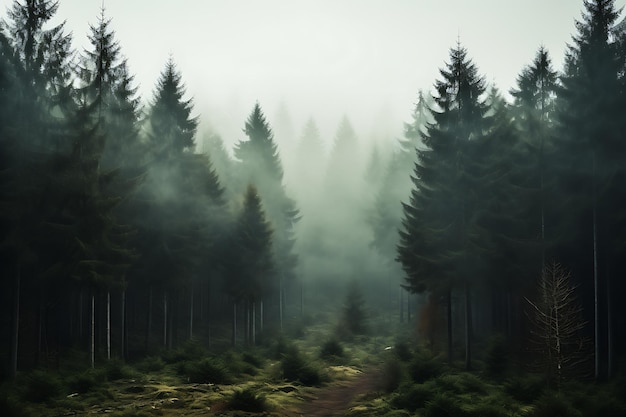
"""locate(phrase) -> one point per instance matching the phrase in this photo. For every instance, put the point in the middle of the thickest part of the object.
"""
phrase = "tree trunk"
(16, 319)
(165, 319)
(123, 327)
(191, 313)
(149, 320)
(401, 303)
(595, 272)
(468, 327)
(253, 334)
(234, 336)
(92, 342)
(108, 325)
(449, 313)
(609, 324)
(261, 318)
(280, 302)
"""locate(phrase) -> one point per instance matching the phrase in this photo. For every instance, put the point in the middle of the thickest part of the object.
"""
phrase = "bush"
(443, 405)
(85, 381)
(393, 374)
(526, 389)
(462, 383)
(414, 396)
(553, 405)
(205, 371)
(116, 370)
(247, 400)
(423, 368)
(331, 349)
(252, 359)
(10, 407)
(41, 386)
(295, 367)
(191, 350)
(487, 410)
(403, 351)
(150, 364)
(497, 357)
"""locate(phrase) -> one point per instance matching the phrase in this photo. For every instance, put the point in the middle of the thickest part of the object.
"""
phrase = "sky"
(366, 59)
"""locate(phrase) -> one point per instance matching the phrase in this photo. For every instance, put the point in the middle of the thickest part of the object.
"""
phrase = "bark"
(149, 321)
(595, 272)
(468, 327)
(253, 334)
(261, 318)
(123, 326)
(165, 318)
(234, 335)
(449, 318)
(191, 313)
(92, 342)
(16, 319)
(108, 325)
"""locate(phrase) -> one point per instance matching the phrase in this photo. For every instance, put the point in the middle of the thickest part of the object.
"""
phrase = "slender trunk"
(108, 325)
(401, 303)
(16, 319)
(149, 321)
(92, 342)
(253, 338)
(165, 319)
(123, 326)
(609, 325)
(261, 316)
(80, 317)
(468, 327)
(595, 272)
(234, 335)
(301, 298)
(191, 313)
(247, 312)
(280, 302)
(449, 313)
(408, 307)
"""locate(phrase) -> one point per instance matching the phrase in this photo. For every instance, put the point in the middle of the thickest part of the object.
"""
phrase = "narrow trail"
(336, 400)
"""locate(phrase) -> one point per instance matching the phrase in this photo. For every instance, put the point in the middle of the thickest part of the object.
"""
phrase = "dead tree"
(556, 325)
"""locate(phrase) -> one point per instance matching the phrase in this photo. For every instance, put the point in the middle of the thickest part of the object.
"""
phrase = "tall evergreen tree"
(437, 248)
(261, 166)
(591, 150)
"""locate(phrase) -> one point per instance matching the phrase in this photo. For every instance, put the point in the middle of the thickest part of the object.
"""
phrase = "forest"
(475, 264)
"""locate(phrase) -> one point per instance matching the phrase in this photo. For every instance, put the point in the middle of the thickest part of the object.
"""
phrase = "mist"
(282, 192)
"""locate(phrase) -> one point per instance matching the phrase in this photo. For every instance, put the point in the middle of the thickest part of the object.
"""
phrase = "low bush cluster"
(247, 400)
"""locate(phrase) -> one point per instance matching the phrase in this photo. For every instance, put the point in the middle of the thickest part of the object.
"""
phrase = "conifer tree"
(437, 248)
(591, 150)
(261, 166)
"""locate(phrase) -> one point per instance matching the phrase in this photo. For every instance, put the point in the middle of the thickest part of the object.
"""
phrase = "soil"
(336, 399)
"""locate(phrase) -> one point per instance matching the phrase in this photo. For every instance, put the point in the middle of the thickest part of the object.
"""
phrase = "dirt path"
(335, 400)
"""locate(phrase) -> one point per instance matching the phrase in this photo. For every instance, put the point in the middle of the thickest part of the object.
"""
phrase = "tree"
(261, 166)
(436, 246)
(557, 323)
(591, 149)
(252, 260)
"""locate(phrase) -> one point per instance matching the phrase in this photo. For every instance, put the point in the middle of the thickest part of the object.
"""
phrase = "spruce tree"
(591, 150)
(436, 248)
(261, 166)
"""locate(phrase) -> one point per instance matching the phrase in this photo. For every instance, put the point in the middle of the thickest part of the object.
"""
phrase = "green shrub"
(205, 371)
(150, 364)
(443, 405)
(403, 351)
(331, 349)
(553, 405)
(462, 383)
(116, 369)
(191, 350)
(295, 367)
(253, 359)
(393, 374)
(85, 381)
(10, 407)
(41, 386)
(526, 389)
(247, 400)
(414, 396)
(497, 357)
(487, 410)
(423, 368)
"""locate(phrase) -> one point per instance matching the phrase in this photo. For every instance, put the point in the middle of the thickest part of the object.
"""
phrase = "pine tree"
(591, 150)
(261, 166)
(436, 248)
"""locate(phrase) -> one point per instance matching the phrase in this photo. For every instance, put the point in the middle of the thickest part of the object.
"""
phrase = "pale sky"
(323, 58)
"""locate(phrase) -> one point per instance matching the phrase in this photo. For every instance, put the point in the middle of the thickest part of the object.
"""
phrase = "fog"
(322, 59)
(209, 161)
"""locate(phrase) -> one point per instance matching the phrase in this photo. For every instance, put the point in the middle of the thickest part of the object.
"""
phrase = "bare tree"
(557, 323)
